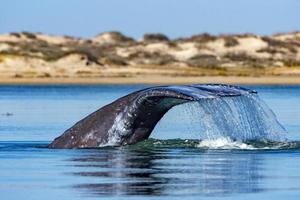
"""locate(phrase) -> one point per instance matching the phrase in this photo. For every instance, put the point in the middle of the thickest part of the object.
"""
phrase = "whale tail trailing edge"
(132, 118)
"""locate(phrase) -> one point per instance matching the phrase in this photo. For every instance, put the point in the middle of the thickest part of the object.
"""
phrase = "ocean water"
(175, 163)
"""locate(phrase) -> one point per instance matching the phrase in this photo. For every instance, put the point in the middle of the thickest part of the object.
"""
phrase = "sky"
(87, 18)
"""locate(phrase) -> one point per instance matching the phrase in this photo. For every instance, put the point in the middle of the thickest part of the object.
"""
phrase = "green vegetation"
(291, 46)
(157, 37)
(230, 41)
(202, 38)
(29, 35)
(18, 35)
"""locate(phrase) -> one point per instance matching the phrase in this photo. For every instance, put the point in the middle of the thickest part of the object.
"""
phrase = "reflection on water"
(167, 172)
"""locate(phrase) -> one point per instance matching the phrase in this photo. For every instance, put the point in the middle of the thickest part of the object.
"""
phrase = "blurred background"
(158, 42)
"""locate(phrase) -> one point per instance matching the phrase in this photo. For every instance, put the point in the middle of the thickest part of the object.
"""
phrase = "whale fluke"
(132, 118)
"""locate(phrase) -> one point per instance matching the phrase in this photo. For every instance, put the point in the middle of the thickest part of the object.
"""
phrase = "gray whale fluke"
(132, 118)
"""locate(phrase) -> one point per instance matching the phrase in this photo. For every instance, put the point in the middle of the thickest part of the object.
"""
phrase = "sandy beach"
(261, 80)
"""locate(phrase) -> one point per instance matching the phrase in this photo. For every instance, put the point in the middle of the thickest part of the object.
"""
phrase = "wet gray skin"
(131, 119)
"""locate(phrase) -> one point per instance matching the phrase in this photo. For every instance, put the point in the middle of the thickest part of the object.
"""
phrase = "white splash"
(224, 143)
(241, 118)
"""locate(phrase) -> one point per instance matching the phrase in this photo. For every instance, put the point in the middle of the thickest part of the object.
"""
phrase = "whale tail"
(132, 118)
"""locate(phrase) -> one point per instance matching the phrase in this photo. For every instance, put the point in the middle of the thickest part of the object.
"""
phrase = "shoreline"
(242, 80)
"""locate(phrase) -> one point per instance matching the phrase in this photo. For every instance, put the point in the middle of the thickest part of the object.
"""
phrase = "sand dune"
(111, 55)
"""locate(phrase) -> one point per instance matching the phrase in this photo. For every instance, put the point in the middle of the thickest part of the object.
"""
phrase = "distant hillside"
(112, 54)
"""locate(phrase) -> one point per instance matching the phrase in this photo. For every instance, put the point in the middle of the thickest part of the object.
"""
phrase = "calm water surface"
(31, 116)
